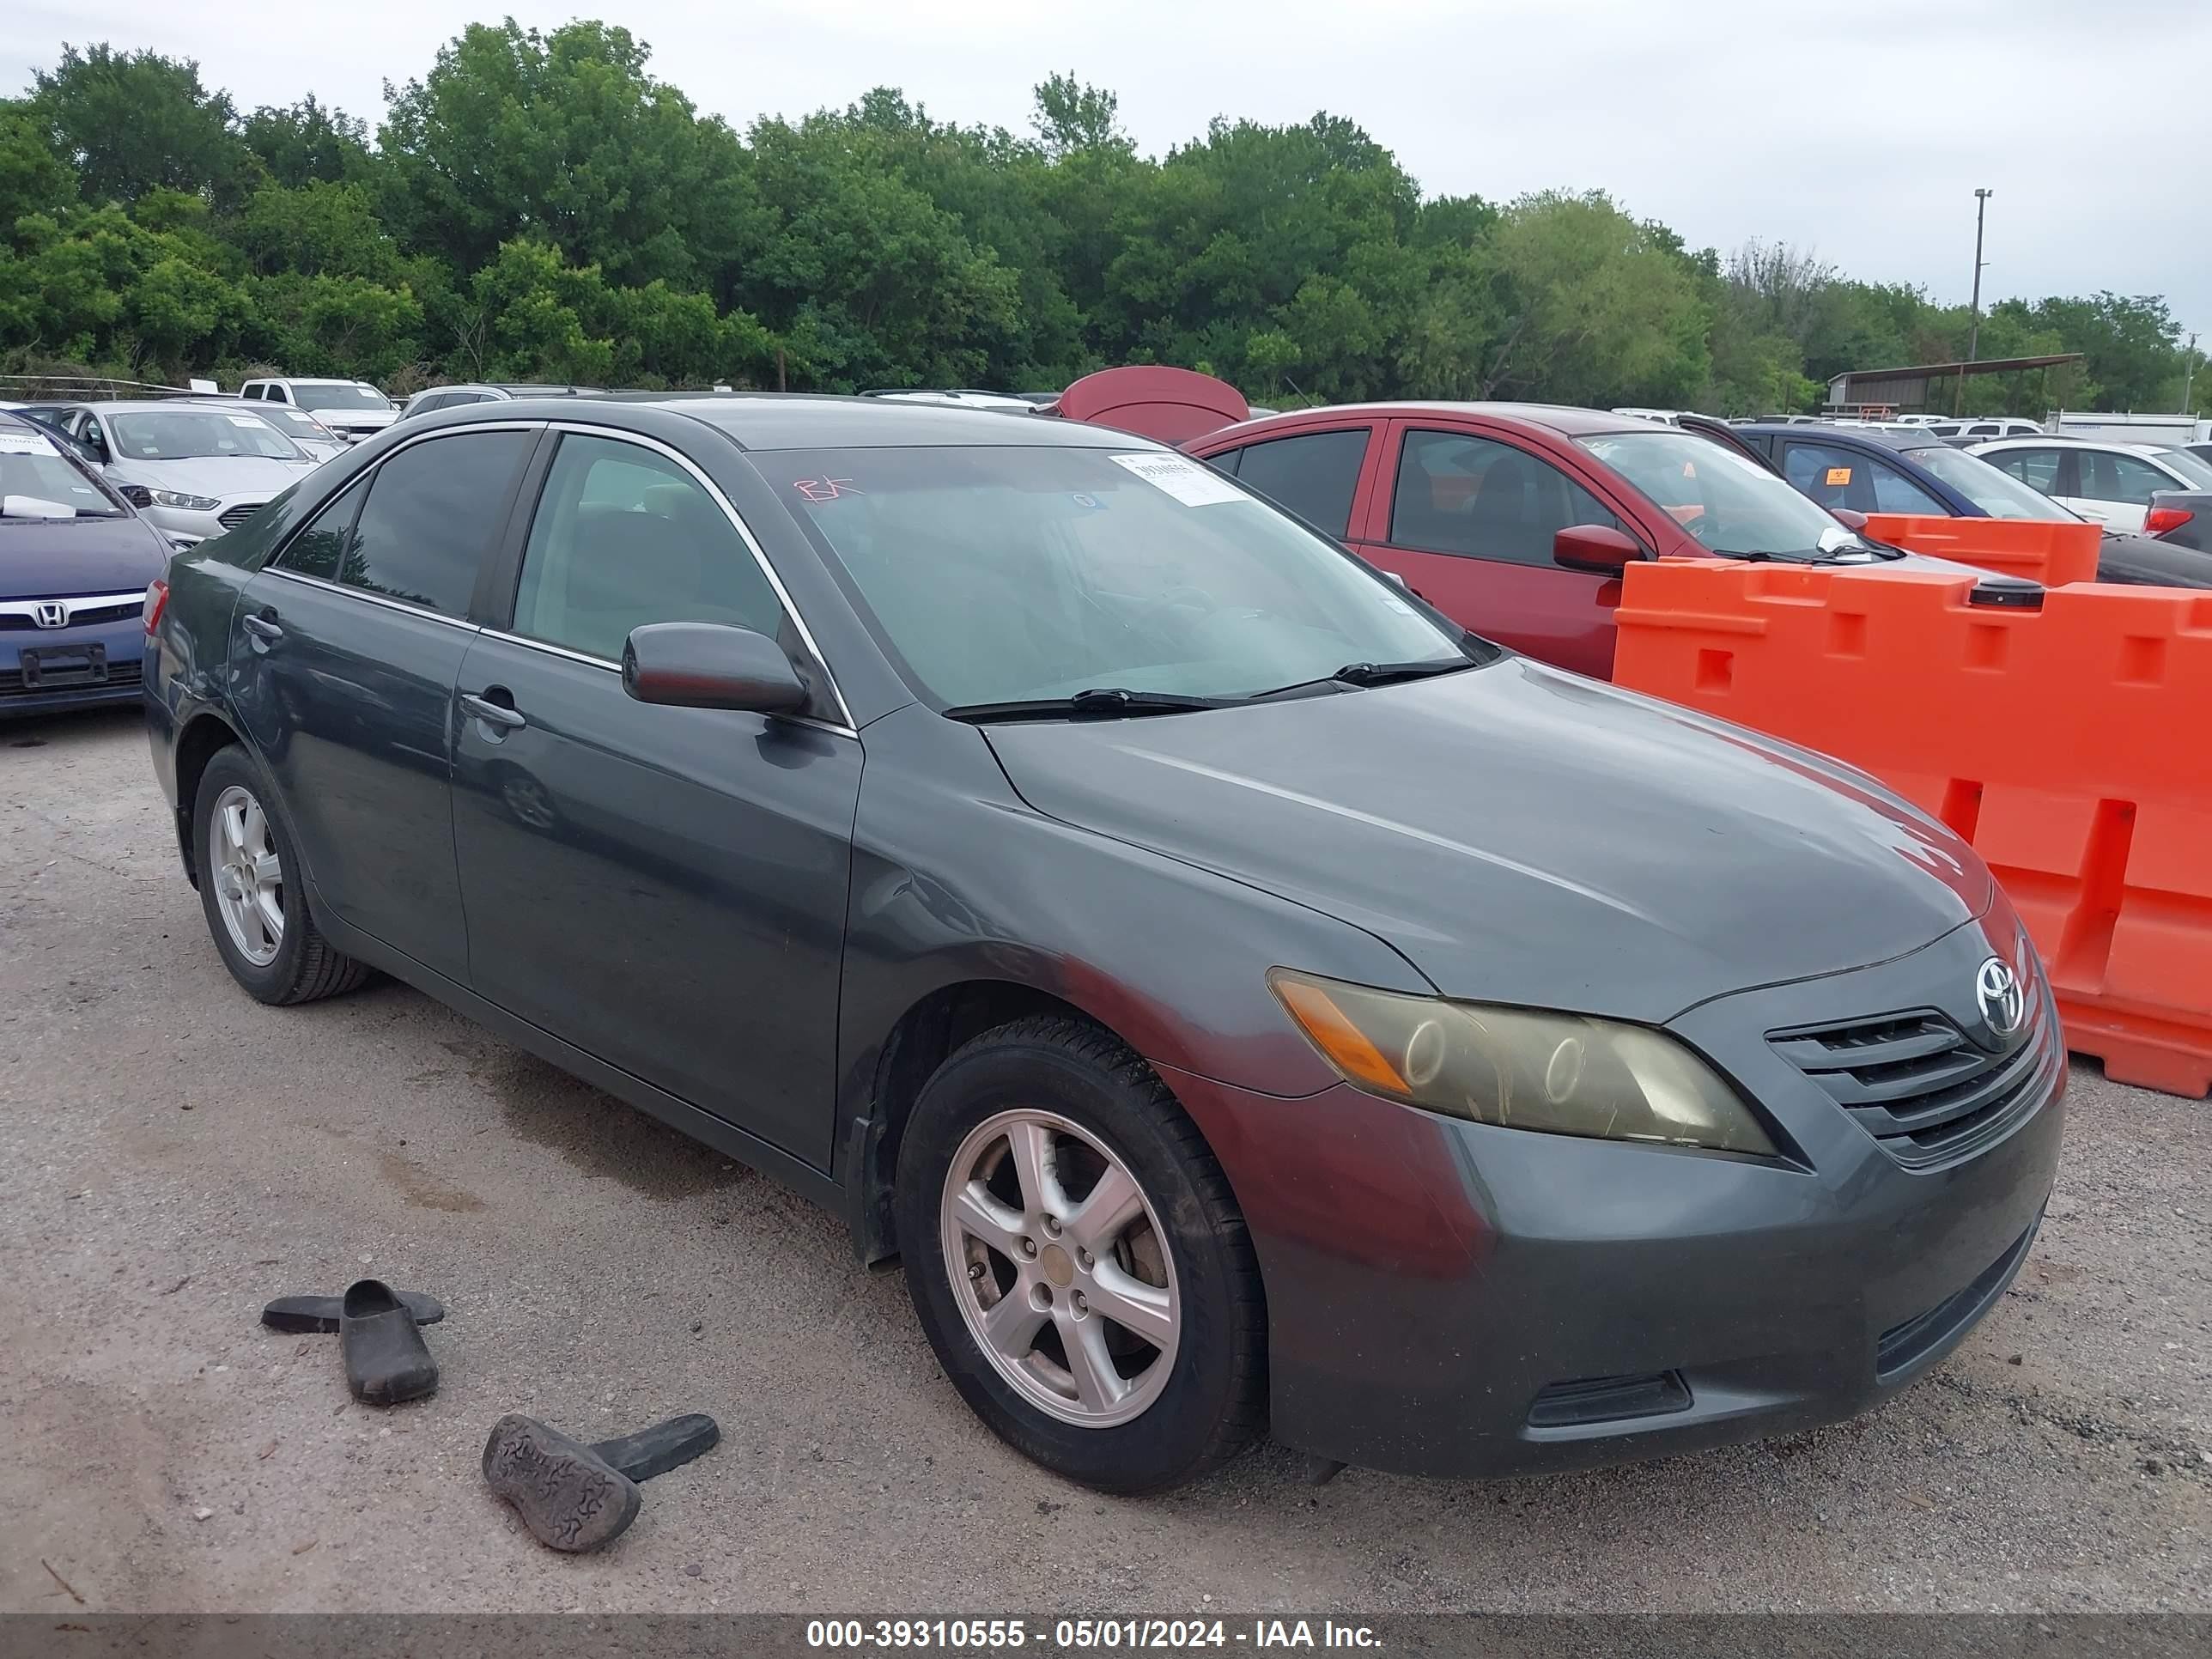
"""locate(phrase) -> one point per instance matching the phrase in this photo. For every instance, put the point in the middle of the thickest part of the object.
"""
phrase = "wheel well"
(924, 1038)
(196, 747)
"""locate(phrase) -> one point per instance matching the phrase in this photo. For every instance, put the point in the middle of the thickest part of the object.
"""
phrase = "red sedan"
(1514, 519)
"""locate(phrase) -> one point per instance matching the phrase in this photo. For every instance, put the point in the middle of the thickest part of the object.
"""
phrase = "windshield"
(2196, 471)
(32, 467)
(298, 422)
(190, 434)
(1728, 501)
(1996, 493)
(1002, 574)
(339, 394)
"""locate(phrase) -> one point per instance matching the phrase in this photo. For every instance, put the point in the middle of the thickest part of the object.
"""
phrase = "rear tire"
(1133, 1367)
(256, 910)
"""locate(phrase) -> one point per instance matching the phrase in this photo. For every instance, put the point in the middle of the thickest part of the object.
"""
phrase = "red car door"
(1465, 510)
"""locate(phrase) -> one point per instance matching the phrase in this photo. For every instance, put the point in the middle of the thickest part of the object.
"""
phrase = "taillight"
(2160, 520)
(157, 601)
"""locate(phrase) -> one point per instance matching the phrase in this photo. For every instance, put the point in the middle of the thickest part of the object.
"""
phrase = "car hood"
(1525, 835)
(43, 560)
(220, 476)
(356, 419)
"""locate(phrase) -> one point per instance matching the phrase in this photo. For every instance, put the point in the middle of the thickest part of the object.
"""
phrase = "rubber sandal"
(571, 1499)
(386, 1360)
(663, 1447)
(319, 1313)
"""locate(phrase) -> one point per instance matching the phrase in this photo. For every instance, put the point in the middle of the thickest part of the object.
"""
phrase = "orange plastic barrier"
(2051, 551)
(2072, 745)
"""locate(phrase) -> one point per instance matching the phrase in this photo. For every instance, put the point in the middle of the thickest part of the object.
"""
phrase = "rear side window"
(1487, 500)
(253, 391)
(624, 537)
(432, 511)
(2109, 477)
(1315, 475)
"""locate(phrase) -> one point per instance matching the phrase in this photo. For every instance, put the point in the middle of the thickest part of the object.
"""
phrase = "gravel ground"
(172, 1153)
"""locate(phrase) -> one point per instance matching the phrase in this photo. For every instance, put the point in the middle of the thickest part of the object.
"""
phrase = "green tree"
(305, 143)
(33, 178)
(137, 121)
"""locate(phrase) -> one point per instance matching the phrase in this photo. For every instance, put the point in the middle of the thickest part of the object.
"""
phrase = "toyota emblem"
(2004, 1003)
(52, 613)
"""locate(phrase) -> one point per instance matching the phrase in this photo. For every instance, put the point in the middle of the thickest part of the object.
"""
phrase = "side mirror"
(1849, 517)
(1598, 549)
(709, 665)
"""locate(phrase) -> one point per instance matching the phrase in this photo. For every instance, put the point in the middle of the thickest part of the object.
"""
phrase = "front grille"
(118, 673)
(231, 517)
(1920, 1086)
(80, 617)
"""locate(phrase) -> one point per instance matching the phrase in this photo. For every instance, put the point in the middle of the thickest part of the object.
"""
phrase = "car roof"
(149, 406)
(1901, 438)
(2072, 442)
(797, 420)
(306, 379)
(1562, 418)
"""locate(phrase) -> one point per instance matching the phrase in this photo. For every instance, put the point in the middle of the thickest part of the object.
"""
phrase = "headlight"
(189, 503)
(1560, 1073)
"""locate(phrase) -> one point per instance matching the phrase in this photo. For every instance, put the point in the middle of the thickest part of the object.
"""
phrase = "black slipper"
(567, 1495)
(386, 1359)
(663, 1447)
(319, 1313)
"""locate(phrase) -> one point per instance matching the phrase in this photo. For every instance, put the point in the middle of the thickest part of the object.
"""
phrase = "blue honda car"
(75, 563)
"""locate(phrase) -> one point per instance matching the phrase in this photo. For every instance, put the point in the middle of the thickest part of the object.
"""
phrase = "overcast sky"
(1859, 128)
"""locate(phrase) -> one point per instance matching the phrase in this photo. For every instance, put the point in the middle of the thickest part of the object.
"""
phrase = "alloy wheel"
(1060, 1268)
(249, 880)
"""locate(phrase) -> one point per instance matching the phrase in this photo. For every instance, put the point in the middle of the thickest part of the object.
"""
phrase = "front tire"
(1078, 1261)
(256, 910)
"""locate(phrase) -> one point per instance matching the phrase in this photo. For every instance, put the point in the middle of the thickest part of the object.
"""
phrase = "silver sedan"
(194, 470)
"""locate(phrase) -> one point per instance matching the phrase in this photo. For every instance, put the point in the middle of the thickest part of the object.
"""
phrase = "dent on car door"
(343, 655)
(663, 888)
(1469, 521)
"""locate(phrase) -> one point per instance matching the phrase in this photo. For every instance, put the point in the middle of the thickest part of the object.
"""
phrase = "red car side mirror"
(1596, 549)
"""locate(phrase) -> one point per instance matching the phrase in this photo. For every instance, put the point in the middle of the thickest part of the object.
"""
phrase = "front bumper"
(1451, 1299)
(51, 691)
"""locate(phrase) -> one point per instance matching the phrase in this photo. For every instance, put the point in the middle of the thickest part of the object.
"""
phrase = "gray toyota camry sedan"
(1241, 999)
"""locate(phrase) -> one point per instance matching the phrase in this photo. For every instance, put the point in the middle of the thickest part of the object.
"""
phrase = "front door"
(664, 888)
(343, 654)
(1469, 523)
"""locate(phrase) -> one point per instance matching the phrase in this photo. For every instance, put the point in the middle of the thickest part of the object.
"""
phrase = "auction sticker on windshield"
(1188, 482)
(26, 443)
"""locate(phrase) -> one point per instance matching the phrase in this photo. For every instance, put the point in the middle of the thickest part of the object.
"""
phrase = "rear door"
(663, 888)
(2120, 485)
(1468, 518)
(344, 651)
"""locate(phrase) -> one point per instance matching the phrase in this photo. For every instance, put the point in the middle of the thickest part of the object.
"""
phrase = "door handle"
(502, 715)
(264, 627)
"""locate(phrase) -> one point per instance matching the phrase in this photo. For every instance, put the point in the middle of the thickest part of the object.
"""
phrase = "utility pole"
(2188, 373)
(1974, 326)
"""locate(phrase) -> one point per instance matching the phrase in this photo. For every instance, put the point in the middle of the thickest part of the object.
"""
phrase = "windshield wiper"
(1374, 673)
(1099, 702)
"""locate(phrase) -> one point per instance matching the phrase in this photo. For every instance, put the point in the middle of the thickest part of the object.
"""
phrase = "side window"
(432, 511)
(2035, 468)
(319, 550)
(2108, 477)
(432, 402)
(1831, 476)
(1314, 476)
(276, 394)
(624, 537)
(1226, 461)
(1487, 500)
(1893, 492)
(251, 389)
